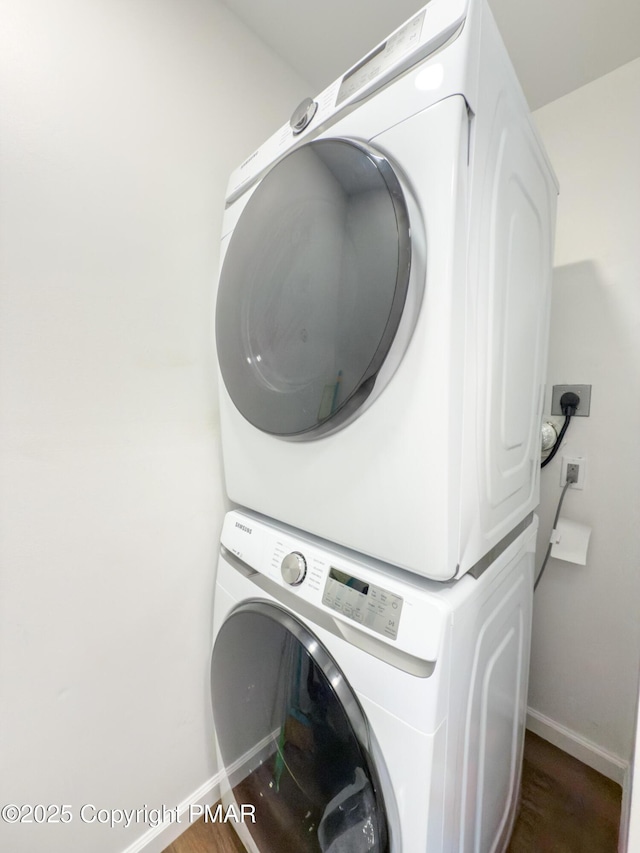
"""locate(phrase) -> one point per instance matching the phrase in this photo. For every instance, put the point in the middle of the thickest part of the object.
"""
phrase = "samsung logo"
(244, 527)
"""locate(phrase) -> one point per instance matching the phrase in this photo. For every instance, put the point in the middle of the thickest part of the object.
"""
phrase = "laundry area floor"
(565, 807)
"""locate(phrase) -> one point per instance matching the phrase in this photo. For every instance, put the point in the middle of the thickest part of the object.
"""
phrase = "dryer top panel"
(427, 31)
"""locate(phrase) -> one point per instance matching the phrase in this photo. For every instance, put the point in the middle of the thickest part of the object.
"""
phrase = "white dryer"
(382, 310)
(359, 707)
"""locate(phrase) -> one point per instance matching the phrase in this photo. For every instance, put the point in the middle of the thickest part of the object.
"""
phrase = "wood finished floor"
(565, 807)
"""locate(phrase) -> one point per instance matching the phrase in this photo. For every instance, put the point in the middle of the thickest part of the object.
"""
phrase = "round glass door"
(312, 288)
(293, 738)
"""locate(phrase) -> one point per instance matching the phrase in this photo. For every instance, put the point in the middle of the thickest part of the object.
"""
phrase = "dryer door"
(312, 288)
(293, 738)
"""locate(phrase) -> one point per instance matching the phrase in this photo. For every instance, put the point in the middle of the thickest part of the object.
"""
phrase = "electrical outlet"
(573, 472)
(583, 391)
(576, 465)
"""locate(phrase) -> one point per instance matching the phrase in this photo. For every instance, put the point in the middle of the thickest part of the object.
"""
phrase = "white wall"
(121, 121)
(586, 639)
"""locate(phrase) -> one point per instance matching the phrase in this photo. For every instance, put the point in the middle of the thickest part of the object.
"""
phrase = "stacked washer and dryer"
(381, 328)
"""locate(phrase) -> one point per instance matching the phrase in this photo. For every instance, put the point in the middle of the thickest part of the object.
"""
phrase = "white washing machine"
(382, 311)
(360, 707)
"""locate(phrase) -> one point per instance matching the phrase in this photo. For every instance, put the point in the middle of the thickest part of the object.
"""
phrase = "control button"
(293, 568)
(302, 115)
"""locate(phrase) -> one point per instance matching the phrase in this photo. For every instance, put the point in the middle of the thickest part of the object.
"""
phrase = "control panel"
(385, 56)
(427, 31)
(405, 611)
(362, 601)
(370, 605)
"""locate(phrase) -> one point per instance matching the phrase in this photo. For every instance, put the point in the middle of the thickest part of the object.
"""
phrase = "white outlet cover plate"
(581, 461)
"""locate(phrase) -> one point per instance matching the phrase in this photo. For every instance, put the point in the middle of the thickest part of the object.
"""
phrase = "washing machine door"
(293, 738)
(312, 288)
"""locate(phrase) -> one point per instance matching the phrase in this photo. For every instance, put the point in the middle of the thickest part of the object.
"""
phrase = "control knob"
(293, 568)
(302, 115)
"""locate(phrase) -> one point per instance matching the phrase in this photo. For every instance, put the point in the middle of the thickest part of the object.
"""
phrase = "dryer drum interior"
(301, 755)
(312, 288)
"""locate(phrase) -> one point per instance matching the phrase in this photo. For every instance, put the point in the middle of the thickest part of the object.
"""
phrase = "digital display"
(363, 63)
(347, 580)
(364, 603)
(386, 57)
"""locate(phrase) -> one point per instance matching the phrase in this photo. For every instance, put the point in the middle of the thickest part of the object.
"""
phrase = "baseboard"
(610, 765)
(253, 758)
(158, 837)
